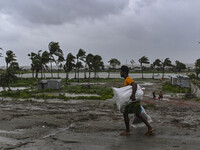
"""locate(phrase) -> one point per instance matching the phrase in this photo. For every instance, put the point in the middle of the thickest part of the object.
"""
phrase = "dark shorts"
(133, 108)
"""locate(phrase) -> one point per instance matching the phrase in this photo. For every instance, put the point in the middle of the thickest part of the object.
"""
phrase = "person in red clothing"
(134, 106)
(160, 95)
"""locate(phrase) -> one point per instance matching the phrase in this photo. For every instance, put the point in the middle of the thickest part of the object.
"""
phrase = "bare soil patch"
(95, 124)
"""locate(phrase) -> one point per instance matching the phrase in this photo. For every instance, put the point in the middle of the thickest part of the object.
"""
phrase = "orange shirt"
(128, 81)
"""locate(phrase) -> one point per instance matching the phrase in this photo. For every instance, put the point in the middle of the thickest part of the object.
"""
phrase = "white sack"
(122, 96)
(137, 122)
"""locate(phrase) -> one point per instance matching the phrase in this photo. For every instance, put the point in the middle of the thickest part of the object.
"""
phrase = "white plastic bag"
(122, 95)
(138, 122)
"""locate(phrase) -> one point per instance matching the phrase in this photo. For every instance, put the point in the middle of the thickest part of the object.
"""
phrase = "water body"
(101, 75)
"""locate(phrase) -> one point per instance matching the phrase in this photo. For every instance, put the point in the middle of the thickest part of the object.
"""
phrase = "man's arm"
(134, 87)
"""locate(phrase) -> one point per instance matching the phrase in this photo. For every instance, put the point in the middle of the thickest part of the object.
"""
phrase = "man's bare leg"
(150, 129)
(126, 121)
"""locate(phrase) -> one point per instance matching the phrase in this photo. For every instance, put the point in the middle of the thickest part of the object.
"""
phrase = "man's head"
(124, 71)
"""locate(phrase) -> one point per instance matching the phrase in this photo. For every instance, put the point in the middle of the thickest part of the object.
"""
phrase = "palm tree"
(79, 57)
(54, 49)
(157, 62)
(197, 67)
(32, 56)
(11, 67)
(179, 65)
(69, 65)
(113, 64)
(143, 60)
(166, 62)
(38, 62)
(89, 60)
(1, 53)
(10, 58)
(44, 61)
(78, 66)
(97, 64)
(59, 63)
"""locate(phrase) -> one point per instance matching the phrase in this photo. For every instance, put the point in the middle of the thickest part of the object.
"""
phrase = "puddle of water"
(8, 141)
(75, 95)
(14, 88)
(166, 99)
(12, 132)
(146, 83)
(68, 94)
(59, 130)
(87, 83)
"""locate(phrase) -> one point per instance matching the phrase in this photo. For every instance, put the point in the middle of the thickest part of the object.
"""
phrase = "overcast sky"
(122, 29)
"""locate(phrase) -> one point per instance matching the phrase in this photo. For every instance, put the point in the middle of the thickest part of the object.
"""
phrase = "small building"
(50, 84)
(183, 81)
(42, 84)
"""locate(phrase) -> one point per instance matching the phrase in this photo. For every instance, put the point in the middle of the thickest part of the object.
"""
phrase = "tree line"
(42, 61)
(9, 75)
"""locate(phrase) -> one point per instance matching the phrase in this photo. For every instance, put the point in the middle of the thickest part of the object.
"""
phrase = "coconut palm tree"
(197, 67)
(12, 66)
(54, 50)
(69, 64)
(1, 53)
(97, 64)
(113, 63)
(179, 65)
(157, 63)
(59, 63)
(39, 62)
(78, 66)
(79, 57)
(143, 60)
(33, 67)
(10, 58)
(44, 61)
(89, 60)
(166, 62)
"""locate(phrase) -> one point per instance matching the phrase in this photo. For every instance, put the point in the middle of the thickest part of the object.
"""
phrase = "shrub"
(167, 86)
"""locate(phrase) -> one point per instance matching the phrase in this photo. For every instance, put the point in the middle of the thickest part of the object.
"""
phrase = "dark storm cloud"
(122, 29)
(60, 11)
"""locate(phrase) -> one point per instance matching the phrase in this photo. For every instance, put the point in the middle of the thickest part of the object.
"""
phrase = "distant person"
(160, 95)
(134, 106)
(154, 95)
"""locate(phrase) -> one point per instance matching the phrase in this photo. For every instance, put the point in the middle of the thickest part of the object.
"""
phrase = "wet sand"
(93, 124)
(96, 124)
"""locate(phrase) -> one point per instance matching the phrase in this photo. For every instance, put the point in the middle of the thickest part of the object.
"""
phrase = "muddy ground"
(93, 124)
